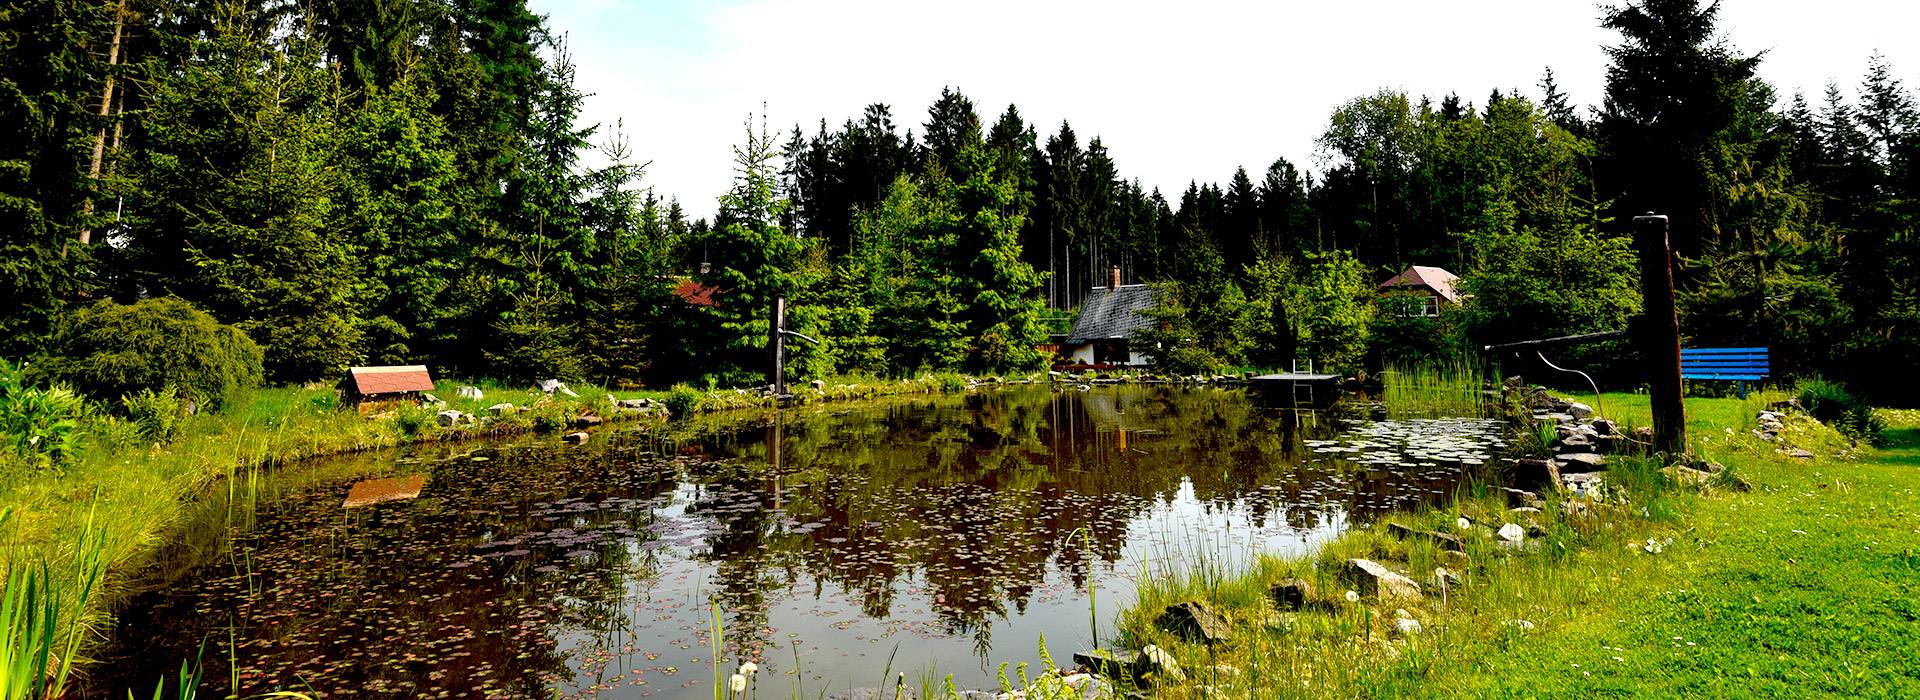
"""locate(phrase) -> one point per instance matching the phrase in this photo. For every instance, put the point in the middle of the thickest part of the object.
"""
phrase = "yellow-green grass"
(1805, 586)
(127, 497)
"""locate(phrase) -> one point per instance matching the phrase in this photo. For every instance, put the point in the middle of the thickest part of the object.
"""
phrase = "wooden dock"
(1297, 390)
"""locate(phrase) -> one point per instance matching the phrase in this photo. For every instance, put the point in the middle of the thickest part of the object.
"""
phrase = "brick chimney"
(1114, 281)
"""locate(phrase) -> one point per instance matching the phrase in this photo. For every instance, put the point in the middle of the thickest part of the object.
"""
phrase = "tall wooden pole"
(779, 337)
(1659, 333)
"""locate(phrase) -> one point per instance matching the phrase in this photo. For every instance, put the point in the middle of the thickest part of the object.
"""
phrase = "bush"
(110, 350)
(41, 426)
(155, 414)
(1831, 403)
(414, 419)
(682, 401)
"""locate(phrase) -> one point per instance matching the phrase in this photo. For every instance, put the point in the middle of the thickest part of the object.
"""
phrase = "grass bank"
(1804, 586)
(103, 515)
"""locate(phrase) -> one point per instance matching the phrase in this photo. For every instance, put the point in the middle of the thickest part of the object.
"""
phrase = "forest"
(349, 182)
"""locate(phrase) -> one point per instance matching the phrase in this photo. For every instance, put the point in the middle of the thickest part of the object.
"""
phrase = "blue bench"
(1725, 364)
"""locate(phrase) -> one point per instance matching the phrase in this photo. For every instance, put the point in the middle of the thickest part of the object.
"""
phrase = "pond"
(941, 535)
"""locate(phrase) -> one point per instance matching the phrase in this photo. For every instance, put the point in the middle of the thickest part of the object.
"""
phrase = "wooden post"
(777, 333)
(1659, 333)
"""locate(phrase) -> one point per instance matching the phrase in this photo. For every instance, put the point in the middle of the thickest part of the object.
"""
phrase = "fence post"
(1659, 333)
(776, 332)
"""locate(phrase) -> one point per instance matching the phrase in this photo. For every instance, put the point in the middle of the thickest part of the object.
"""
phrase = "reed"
(1451, 387)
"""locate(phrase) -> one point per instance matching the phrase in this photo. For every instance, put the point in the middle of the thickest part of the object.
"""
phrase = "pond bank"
(1654, 587)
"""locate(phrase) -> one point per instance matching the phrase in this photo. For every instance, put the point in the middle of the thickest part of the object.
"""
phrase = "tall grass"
(1441, 388)
(41, 621)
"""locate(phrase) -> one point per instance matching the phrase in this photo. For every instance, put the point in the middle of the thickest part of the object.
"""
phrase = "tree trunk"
(106, 105)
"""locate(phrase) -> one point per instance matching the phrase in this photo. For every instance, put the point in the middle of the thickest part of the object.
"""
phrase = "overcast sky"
(1178, 91)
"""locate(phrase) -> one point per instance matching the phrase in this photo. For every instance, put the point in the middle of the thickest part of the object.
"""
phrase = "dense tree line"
(386, 181)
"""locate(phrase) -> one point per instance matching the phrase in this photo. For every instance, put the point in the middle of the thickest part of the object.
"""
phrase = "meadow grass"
(1802, 587)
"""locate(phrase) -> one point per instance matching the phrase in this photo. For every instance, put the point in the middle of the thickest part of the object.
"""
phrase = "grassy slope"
(1769, 612)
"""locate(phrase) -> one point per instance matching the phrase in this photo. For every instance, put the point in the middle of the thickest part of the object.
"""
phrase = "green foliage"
(109, 350)
(156, 414)
(1336, 307)
(39, 425)
(1831, 403)
(683, 401)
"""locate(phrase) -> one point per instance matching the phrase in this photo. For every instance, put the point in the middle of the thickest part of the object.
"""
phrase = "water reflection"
(949, 532)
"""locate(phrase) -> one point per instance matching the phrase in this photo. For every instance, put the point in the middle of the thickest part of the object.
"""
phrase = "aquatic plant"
(40, 627)
(1451, 387)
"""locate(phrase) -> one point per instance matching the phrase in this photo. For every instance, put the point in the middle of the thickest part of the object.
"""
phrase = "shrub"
(682, 401)
(109, 350)
(155, 414)
(413, 419)
(1831, 403)
(40, 425)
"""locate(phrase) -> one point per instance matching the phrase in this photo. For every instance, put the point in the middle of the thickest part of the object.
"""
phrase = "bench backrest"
(1732, 364)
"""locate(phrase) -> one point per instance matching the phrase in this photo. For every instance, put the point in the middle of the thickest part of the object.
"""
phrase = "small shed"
(1421, 291)
(1103, 334)
(366, 384)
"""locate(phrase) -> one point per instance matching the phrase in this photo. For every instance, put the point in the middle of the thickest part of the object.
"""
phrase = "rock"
(1581, 463)
(1158, 667)
(1107, 663)
(1511, 532)
(1196, 622)
(587, 421)
(471, 393)
(634, 403)
(1291, 594)
(1443, 578)
(1688, 476)
(819, 385)
(1643, 434)
(1517, 498)
(1406, 626)
(448, 418)
(1579, 411)
(1574, 444)
(1605, 427)
(1444, 540)
(1521, 625)
(1798, 453)
(576, 438)
(549, 386)
(1372, 579)
(1536, 472)
(1524, 510)
(500, 409)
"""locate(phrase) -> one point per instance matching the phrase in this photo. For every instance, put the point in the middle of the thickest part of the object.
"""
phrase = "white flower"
(1353, 596)
(749, 668)
(1465, 524)
(738, 683)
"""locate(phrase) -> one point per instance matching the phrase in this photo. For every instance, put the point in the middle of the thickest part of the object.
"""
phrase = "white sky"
(1178, 91)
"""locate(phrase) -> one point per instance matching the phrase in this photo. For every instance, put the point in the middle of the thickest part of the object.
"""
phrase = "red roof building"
(1436, 285)
(363, 383)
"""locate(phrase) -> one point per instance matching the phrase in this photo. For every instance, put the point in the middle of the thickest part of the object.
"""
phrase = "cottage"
(381, 384)
(1420, 291)
(1103, 334)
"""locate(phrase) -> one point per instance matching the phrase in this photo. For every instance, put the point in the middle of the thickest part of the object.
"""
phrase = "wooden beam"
(1659, 333)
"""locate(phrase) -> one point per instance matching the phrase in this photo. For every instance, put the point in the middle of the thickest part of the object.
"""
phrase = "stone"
(634, 403)
(1643, 434)
(1581, 463)
(1444, 579)
(1517, 498)
(1688, 476)
(1196, 622)
(1521, 625)
(1579, 411)
(1511, 532)
(1798, 453)
(500, 409)
(1444, 540)
(587, 421)
(1291, 594)
(448, 418)
(1406, 626)
(1536, 472)
(576, 438)
(819, 385)
(1372, 579)
(471, 393)
(1605, 427)
(1156, 666)
(1524, 510)
(1574, 444)
(550, 386)
(1106, 662)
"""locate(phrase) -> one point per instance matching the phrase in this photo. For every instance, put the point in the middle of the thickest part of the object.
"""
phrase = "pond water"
(943, 534)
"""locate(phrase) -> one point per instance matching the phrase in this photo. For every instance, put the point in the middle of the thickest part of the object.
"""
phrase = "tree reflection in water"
(592, 570)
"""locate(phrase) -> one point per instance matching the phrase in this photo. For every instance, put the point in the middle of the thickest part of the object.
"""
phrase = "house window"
(1430, 306)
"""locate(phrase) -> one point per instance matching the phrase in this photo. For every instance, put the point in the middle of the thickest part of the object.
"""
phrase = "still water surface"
(947, 534)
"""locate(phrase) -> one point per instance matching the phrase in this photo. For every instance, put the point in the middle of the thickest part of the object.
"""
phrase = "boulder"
(471, 393)
(1574, 444)
(587, 421)
(1107, 663)
(550, 386)
(1196, 622)
(1291, 594)
(1513, 533)
(1605, 427)
(1373, 579)
(1157, 667)
(448, 418)
(1530, 472)
(1444, 540)
(1581, 463)
(1406, 626)
(576, 438)
(1517, 498)
(1579, 411)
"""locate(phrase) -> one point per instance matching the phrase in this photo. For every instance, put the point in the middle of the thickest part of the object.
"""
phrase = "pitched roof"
(695, 293)
(1438, 280)
(389, 380)
(1113, 312)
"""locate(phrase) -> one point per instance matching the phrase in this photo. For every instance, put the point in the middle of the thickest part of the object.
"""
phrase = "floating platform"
(1297, 390)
